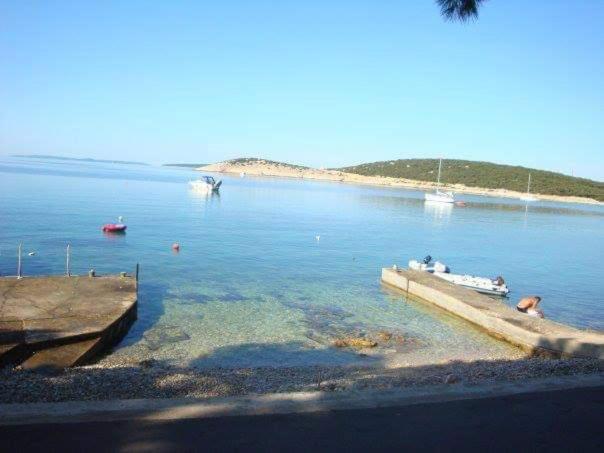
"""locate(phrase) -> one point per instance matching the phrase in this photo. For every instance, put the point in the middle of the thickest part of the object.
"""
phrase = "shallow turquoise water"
(253, 286)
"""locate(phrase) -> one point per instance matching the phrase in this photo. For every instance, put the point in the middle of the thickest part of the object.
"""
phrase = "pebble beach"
(150, 379)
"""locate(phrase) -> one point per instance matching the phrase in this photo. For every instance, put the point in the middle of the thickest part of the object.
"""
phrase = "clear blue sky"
(323, 83)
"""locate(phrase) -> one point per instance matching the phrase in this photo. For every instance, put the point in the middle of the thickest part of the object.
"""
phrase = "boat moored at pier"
(484, 285)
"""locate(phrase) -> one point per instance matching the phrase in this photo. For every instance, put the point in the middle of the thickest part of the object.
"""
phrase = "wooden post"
(19, 261)
(67, 261)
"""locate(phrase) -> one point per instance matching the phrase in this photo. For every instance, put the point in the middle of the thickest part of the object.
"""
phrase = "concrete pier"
(58, 322)
(496, 318)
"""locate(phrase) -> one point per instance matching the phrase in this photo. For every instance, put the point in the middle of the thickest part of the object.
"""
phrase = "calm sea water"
(252, 285)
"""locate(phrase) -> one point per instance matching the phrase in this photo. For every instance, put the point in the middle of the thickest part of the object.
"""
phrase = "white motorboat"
(496, 287)
(206, 184)
(528, 196)
(427, 265)
(493, 287)
(440, 196)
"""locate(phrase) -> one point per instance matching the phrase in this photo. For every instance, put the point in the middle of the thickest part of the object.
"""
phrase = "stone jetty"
(59, 322)
(496, 318)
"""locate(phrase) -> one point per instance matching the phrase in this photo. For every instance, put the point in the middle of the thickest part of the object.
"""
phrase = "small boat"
(440, 196)
(114, 228)
(528, 196)
(427, 265)
(206, 184)
(492, 287)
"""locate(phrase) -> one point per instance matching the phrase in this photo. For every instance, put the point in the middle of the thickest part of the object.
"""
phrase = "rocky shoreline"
(150, 379)
(266, 168)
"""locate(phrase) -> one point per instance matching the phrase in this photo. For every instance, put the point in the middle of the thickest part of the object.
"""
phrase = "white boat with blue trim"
(490, 286)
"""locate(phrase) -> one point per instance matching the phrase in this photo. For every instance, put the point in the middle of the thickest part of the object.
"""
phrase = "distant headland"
(462, 176)
(78, 159)
(184, 165)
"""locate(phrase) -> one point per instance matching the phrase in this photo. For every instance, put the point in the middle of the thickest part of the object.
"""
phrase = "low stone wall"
(496, 318)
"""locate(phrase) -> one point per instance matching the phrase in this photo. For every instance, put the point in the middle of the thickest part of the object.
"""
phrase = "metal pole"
(67, 262)
(19, 262)
(137, 268)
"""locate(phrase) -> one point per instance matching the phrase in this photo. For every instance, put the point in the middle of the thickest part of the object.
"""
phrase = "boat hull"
(487, 291)
(202, 186)
(479, 284)
(114, 228)
(439, 197)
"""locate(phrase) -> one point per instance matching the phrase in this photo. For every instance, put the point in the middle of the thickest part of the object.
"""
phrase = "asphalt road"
(568, 420)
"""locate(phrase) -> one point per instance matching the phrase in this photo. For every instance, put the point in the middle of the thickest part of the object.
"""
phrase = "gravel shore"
(154, 380)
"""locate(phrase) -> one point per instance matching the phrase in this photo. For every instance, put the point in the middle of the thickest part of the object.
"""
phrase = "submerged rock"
(162, 335)
(359, 343)
(384, 336)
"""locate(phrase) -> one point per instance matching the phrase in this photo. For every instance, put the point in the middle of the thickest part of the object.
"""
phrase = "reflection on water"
(475, 202)
(210, 196)
(439, 211)
(251, 272)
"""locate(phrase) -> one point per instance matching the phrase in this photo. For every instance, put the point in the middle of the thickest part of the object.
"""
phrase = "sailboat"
(528, 196)
(440, 196)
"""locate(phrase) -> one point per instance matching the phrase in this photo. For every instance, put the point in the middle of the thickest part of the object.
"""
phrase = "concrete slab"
(496, 318)
(59, 314)
(63, 356)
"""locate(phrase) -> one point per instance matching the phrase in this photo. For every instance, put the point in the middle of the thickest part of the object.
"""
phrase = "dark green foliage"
(483, 174)
(461, 10)
(253, 160)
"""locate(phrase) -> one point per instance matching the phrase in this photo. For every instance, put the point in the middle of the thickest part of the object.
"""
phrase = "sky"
(313, 82)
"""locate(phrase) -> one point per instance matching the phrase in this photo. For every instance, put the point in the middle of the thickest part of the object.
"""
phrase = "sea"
(272, 271)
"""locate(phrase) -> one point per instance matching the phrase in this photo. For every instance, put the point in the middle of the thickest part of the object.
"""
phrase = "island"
(184, 165)
(77, 159)
(462, 176)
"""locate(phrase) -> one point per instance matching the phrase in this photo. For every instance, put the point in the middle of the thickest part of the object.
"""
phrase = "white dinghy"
(496, 287)
(492, 287)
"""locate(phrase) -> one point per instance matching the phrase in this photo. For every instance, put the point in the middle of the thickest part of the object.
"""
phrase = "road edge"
(277, 403)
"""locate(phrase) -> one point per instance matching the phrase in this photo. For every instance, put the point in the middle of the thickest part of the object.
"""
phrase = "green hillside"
(483, 174)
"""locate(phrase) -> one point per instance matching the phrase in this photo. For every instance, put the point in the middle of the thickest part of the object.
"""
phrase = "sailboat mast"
(528, 188)
(440, 162)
